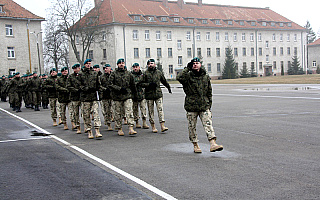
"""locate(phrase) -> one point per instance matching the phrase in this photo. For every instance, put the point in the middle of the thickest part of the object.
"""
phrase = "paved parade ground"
(270, 135)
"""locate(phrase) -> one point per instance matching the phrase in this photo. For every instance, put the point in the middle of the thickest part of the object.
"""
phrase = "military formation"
(119, 94)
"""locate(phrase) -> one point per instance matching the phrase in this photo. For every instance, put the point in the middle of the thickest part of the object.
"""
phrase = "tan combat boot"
(55, 122)
(60, 122)
(131, 131)
(65, 126)
(144, 124)
(73, 126)
(98, 134)
(214, 146)
(90, 135)
(163, 128)
(109, 127)
(78, 130)
(137, 124)
(196, 148)
(125, 121)
(154, 130)
(120, 132)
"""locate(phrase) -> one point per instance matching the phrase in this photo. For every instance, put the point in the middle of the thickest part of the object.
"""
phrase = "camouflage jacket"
(122, 85)
(17, 85)
(155, 77)
(63, 92)
(89, 85)
(34, 84)
(197, 88)
(50, 85)
(3, 83)
(106, 92)
(73, 85)
(138, 76)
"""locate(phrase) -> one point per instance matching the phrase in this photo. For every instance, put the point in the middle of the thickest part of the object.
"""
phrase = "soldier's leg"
(135, 110)
(118, 114)
(143, 109)
(206, 119)
(150, 104)
(76, 113)
(71, 108)
(86, 115)
(53, 109)
(129, 115)
(95, 114)
(192, 122)
(104, 110)
(63, 109)
(159, 105)
(109, 110)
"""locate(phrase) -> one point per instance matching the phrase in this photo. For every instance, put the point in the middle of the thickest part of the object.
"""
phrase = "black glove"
(190, 65)
(169, 89)
(84, 88)
(123, 91)
(152, 85)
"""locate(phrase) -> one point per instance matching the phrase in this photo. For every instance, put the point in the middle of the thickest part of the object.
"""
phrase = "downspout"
(124, 42)
(194, 43)
(304, 53)
(256, 40)
(28, 34)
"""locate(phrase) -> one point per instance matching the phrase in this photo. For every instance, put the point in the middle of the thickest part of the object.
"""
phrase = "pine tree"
(311, 35)
(229, 70)
(295, 68)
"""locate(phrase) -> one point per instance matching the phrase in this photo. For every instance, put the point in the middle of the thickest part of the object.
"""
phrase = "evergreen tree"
(295, 68)
(253, 72)
(311, 35)
(229, 70)
(159, 65)
(244, 72)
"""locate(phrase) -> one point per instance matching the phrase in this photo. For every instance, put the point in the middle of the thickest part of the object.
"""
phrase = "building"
(173, 32)
(15, 22)
(314, 56)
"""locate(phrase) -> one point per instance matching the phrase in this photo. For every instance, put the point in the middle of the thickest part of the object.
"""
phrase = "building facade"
(314, 56)
(175, 32)
(15, 22)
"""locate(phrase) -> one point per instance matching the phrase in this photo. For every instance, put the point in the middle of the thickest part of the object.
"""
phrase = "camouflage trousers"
(11, 98)
(87, 109)
(36, 98)
(143, 109)
(206, 120)
(17, 99)
(74, 109)
(123, 107)
(159, 105)
(54, 108)
(106, 105)
(63, 111)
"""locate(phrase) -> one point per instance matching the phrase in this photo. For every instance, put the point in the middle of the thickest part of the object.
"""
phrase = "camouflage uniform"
(17, 84)
(44, 95)
(63, 96)
(50, 86)
(2, 89)
(10, 92)
(123, 90)
(73, 86)
(106, 99)
(140, 98)
(35, 88)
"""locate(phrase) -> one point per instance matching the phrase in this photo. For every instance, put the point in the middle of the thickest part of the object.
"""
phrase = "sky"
(296, 11)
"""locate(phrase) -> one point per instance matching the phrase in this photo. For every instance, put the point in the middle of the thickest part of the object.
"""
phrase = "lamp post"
(37, 36)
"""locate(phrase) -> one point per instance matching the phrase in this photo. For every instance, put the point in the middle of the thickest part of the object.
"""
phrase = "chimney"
(97, 2)
(199, 2)
(180, 3)
(165, 3)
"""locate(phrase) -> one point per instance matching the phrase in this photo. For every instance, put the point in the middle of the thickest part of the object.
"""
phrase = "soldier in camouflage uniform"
(140, 100)
(2, 88)
(18, 85)
(105, 97)
(73, 86)
(50, 86)
(198, 101)
(63, 95)
(153, 93)
(89, 86)
(10, 92)
(123, 90)
(35, 88)
(44, 92)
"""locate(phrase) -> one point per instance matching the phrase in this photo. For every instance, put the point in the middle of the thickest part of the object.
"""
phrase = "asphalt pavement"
(271, 150)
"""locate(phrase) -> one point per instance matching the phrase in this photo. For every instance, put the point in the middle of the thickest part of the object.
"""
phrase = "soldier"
(153, 93)
(140, 100)
(63, 95)
(50, 86)
(2, 88)
(10, 92)
(35, 88)
(198, 101)
(18, 85)
(44, 92)
(89, 85)
(73, 86)
(106, 99)
(123, 90)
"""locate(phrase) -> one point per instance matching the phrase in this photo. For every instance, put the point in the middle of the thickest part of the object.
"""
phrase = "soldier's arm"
(60, 87)
(70, 85)
(111, 85)
(209, 92)
(183, 76)
(144, 83)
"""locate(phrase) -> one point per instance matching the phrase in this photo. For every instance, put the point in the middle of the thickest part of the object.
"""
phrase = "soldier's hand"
(123, 91)
(153, 85)
(190, 65)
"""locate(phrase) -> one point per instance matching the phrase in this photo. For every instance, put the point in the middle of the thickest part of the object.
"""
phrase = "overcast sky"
(296, 11)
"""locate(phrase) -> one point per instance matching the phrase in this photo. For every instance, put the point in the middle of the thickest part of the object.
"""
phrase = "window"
(190, 21)
(163, 19)
(260, 65)
(253, 23)
(205, 21)
(91, 54)
(170, 52)
(136, 52)
(274, 37)
(289, 64)
(1, 11)
(273, 24)
(235, 37)
(188, 35)
(159, 54)
(281, 64)
(274, 65)
(241, 23)
(226, 36)
(217, 22)
(235, 51)
(147, 35)
(281, 37)
(295, 51)
(288, 50)
(218, 52)
(151, 19)
(252, 67)
(136, 18)
(252, 51)
(295, 37)
(158, 35)
(179, 60)
(209, 67)
(289, 24)
(264, 23)
(169, 35)
(176, 20)
(260, 51)
(288, 37)
(314, 63)
(267, 58)
(243, 37)
(198, 36)
(244, 65)
(148, 53)
(135, 34)
(274, 51)
(189, 52)
(9, 30)
(11, 53)
(208, 52)
(281, 51)
(104, 36)
(251, 37)
(208, 36)
(244, 51)
(77, 39)
(230, 22)
(259, 37)
(179, 43)
(104, 53)
(218, 67)
(267, 44)
(217, 36)
(281, 24)
(170, 69)
(199, 52)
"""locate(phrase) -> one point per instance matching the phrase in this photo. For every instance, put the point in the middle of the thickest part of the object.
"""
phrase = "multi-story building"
(173, 32)
(15, 23)
(314, 56)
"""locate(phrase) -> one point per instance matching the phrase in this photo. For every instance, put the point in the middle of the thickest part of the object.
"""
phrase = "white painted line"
(104, 163)
(280, 97)
(27, 139)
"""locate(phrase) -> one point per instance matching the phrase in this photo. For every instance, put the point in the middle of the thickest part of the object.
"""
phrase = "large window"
(158, 35)
(244, 51)
(189, 52)
(188, 36)
(136, 52)
(148, 53)
(179, 60)
(90, 54)
(218, 67)
(147, 35)
(208, 36)
(11, 53)
(170, 52)
(208, 52)
(198, 36)
(217, 36)
(199, 52)
(218, 52)
(104, 53)
(179, 43)
(169, 35)
(9, 30)
(209, 67)
(159, 54)
(135, 34)
(170, 69)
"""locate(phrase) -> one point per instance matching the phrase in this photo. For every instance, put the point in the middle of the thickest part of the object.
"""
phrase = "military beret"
(10, 76)
(96, 66)
(3, 76)
(135, 65)
(59, 74)
(64, 69)
(17, 73)
(75, 66)
(150, 60)
(106, 65)
(34, 73)
(195, 59)
(53, 69)
(120, 60)
(88, 60)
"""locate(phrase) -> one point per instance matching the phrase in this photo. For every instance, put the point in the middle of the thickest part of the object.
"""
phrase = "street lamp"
(37, 36)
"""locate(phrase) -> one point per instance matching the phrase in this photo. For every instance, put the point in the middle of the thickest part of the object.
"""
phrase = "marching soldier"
(106, 98)
(35, 88)
(50, 85)
(44, 92)
(10, 92)
(17, 84)
(2, 88)
(198, 101)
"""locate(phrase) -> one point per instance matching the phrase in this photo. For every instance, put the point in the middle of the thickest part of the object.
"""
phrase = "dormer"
(163, 18)
(189, 20)
(175, 18)
(150, 18)
(135, 17)
(1, 8)
(203, 21)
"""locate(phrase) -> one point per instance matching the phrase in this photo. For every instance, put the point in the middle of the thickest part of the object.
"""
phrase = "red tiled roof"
(315, 43)
(123, 11)
(13, 10)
